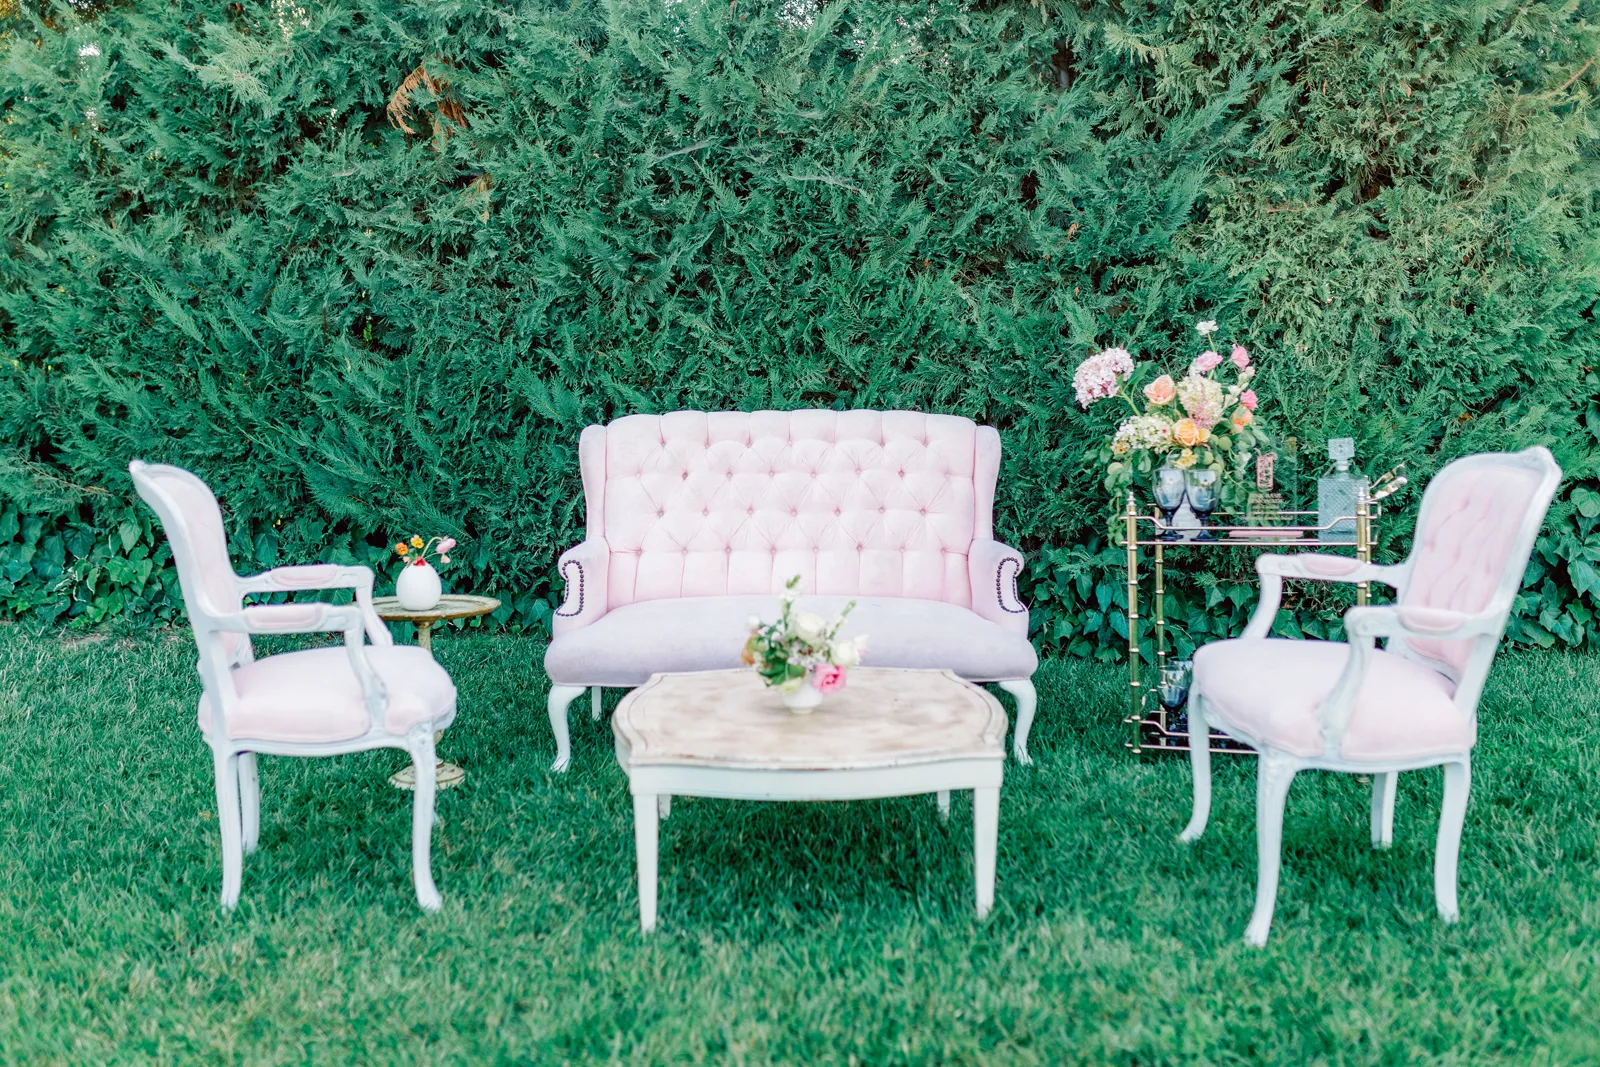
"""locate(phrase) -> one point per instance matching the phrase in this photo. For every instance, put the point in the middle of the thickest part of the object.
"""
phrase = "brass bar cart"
(1147, 719)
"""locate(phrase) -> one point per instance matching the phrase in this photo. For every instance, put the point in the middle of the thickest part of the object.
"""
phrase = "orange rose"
(1242, 417)
(1186, 433)
(1205, 434)
(1161, 391)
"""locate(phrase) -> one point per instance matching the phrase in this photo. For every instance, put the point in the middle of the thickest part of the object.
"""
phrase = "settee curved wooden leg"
(560, 697)
(1027, 702)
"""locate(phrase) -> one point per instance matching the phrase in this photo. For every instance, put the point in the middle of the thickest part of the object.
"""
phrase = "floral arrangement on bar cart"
(1181, 428)
(418, 587)
(801, 654)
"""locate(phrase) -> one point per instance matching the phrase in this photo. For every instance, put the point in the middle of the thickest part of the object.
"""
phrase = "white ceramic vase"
(802, 701)
(418, 587)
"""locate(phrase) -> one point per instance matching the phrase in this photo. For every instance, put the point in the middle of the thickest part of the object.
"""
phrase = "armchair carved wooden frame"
(1355, 708)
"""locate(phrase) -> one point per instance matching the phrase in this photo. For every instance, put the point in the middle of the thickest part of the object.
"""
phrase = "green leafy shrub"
(367, 267)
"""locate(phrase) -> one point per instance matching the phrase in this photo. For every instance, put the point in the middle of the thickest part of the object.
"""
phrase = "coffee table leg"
(645, 844)
(985, 835)
(944, 805)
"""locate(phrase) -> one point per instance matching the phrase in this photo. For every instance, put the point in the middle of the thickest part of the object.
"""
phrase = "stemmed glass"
(1173, 691)
(1169, 491)
(1201, 484)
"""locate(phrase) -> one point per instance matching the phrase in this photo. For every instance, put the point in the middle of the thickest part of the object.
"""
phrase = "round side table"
(450, 606)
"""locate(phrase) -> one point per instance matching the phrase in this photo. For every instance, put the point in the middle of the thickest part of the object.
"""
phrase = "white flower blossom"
(1096, 377)
(1206, 327)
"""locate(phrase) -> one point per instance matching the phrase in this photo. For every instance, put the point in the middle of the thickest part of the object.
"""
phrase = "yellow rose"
(1186, 433)
(1205, 435)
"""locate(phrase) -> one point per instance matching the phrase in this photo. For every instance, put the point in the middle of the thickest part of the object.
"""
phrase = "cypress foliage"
(370, 268)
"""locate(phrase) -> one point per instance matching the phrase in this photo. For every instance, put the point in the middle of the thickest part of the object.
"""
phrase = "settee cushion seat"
(627, 644)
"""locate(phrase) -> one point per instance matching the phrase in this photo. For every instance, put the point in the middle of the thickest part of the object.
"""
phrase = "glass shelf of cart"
(1165, 728)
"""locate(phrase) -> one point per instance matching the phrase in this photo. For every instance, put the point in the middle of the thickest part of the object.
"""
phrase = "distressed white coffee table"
(888, 733)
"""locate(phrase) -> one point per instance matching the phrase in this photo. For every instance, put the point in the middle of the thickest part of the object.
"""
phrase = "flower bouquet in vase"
(418, 587)
(801, 655)
(1201, 425)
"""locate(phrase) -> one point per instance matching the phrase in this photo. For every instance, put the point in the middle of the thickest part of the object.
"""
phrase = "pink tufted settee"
(697, 519)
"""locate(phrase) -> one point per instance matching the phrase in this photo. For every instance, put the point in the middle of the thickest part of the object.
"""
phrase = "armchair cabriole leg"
(1457, 784)
(1027, 702)
(249, 802)
(420, 744)
(560, 697)
(227, 770)
(1200, 767)
(1273, 776)
(597, 697)
(1384, 787)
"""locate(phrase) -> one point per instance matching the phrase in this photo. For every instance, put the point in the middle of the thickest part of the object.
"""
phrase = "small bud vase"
(803, 700)
(418, 587)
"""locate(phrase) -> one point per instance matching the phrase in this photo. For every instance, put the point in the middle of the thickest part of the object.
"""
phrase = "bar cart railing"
(1151, 729)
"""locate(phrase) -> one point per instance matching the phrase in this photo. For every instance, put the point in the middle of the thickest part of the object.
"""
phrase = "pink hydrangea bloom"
(1205, 362)
(1240, 357)
(1248, 399)
(1096, 377)
(827, 678)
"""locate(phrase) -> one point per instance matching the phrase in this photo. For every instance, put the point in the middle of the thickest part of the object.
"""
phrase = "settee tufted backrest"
(1476, 530)
(861, 503)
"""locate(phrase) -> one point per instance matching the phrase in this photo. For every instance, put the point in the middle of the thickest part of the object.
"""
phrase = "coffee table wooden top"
(883, 717)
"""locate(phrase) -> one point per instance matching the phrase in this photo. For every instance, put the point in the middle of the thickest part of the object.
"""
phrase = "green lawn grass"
(830, 933)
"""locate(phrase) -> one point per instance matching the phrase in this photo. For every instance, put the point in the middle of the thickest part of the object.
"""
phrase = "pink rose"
(1240, 357)
(1161, 391)
(1205, 362)
(1248, 399)
(828, 678)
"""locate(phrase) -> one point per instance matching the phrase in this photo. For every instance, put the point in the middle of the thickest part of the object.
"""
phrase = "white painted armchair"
(318, 702)
(1354, 707)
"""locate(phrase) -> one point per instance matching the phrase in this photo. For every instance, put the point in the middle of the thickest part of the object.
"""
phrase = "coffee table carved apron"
(888, 733)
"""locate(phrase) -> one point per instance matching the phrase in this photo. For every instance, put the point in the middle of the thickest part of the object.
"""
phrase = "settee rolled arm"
(583, 567)
(994, 569)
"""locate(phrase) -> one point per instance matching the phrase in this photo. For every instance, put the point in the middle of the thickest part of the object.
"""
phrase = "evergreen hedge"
(369, 268)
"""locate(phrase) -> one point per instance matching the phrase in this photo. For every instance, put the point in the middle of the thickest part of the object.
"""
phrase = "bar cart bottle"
(1336, 493)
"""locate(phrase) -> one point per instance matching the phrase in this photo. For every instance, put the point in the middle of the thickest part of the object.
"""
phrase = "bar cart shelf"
(1152, 727)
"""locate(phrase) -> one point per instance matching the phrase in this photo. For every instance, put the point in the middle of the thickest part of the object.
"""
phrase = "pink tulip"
(450, 542)
(1205, 362)
(1248, 399)
(828, 678)
(1240, 357)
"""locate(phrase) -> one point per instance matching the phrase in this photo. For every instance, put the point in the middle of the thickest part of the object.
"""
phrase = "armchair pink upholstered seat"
(316, 702)
(1353, 707)
(696, 520)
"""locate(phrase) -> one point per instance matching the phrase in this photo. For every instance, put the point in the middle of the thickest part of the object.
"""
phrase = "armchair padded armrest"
(1411, 620)
(308, 576)
(1322, 567)
(584, 567)
(993, 569)
(284, 618)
